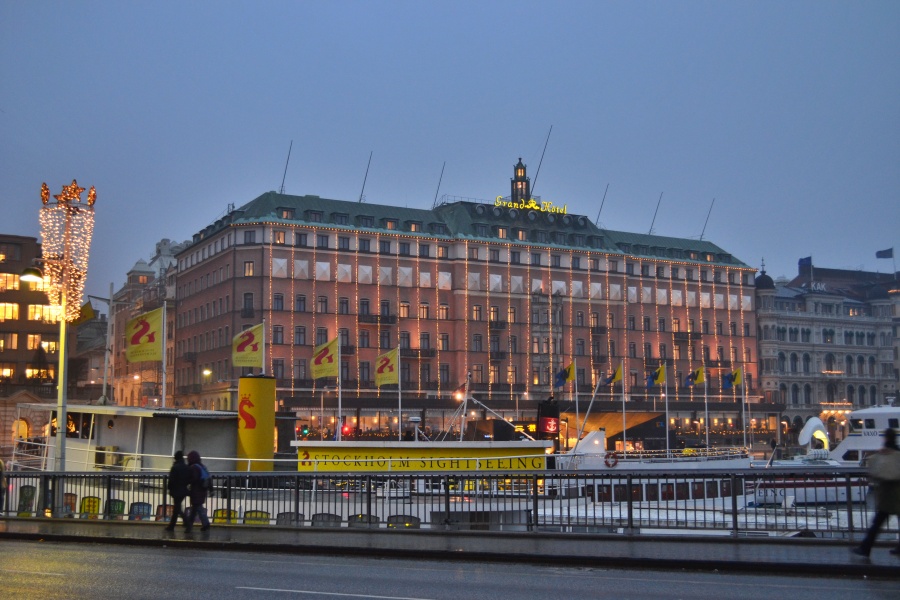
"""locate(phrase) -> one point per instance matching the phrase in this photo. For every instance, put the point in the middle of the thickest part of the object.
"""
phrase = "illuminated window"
(404, 310)
(8, 341)
(502, 233)
(423, 310)
(43, 312)
(443, 312)
(415, 226)
(248, 268)
(443, 252)
(278, 237)
(8, 281)
(390, 224)
(9, 311)
(476, 312)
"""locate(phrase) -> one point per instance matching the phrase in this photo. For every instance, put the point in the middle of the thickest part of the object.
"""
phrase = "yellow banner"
(256, 422)
(247, 348)
(387, 368)
(326, 360)
(344, 457)
(143, 337)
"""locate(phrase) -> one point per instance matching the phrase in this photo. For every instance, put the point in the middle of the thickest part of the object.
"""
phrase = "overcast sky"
(786, 113)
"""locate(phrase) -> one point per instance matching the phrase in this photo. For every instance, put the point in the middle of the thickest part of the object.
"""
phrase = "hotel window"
(277, 302)
(576, 262)
(645, 270)
(363, 338)
(704, 275)
(502, 233)
(444, 341)
(363, 306)
(676, 324)
(719, 328)
(404, 310)
(385, 308)
(648, 350)
(366, 221)
(343, 242)
(390, 224)
(513, 344)
(481, 230)
(9, 311)
(689, 274)
(477, 374)
(578, 240)
(404, 339)
(443, 252)
(249, 237)
(494, 255)
(579, 347)
(555, 261)
(414, 226)
(300, 240)
(579, 319)
(476, 312)
(277, 334)
(660, 271)
(594, 264)
(473, 253)
(344, 335)
(322, 240)
(423, 310)
(384, 339)
(8, 341)
(343, 306)
(299, 335)
(300, 303)
(365, 245)
(322, 304)
(444, 373)
(522, 235)
(536, 258)
(646, 323)
(248, 301)
(676, 352)
(321, 335)
(341, 219)
(443, 312)
(662, 324)
(705, 325)
(515, 257)
(278, 237)
(632, 350)
(314, 215)
(424, 251)
(248, 268)
(425, 341)
(404, 249)
(495, 313)
(365, 371)
(511, 314)
(384, 246)
(631, 323)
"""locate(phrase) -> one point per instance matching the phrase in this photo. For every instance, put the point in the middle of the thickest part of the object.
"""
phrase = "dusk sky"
(786, 113)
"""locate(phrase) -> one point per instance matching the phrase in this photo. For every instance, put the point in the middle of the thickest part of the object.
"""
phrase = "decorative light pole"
(67, 226)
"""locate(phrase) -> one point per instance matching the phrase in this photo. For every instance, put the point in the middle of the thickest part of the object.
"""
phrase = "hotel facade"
(503, 293)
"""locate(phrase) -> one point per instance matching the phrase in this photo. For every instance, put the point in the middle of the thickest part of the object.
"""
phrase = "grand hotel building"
(509, 291)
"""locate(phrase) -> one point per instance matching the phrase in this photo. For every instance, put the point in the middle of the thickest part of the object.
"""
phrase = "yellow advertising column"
(256, 423)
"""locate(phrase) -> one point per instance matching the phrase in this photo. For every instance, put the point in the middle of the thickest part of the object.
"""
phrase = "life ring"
(611, 459)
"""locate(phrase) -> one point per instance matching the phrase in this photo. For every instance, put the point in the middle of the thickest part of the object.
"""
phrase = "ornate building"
(509, 291)
(827, 342)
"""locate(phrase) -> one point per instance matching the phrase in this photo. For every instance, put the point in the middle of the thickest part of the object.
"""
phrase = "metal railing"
(751, 502)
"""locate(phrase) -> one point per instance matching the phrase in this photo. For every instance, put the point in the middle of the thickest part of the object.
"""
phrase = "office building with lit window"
(508, 291)
(827, 343)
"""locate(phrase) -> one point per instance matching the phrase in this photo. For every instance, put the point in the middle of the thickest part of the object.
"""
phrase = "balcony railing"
(599, 330)
(682, 336)
(418, 352)
(497, 355)
(378, 319)
(497, 325)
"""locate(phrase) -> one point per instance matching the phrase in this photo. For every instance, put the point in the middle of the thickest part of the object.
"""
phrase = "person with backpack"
(199, 489)
(179, 478)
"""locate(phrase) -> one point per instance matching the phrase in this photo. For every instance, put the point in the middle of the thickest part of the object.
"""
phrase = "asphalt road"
(48, 570)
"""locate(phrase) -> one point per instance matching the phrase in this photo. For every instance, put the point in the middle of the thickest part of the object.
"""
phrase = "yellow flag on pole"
(143, 337)
(387, 369)
(248, 348)
(326, 360)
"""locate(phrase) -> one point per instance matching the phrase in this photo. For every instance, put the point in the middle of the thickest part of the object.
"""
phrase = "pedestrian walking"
(179, 478)
(198, 491)
(884, 476)
(2, 486)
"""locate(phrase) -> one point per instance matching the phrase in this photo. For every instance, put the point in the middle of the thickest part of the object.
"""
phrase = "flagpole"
(340, 423)
(624, 420)
(744, 407)
(706, 407)
(399, 399)
(666, 396)
(462, 421)
(163, 342)
(575, 391)
(263, 366)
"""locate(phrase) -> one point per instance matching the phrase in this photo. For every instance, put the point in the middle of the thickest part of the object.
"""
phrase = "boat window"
(870, 423)
(851, 456)
(726, 488)
(892, 423)
(855, 424)
(682, 491)
(652, 491)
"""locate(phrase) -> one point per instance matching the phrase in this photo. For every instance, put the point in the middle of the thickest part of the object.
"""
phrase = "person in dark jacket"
(197, 493)
(884, 473)
(179, 478)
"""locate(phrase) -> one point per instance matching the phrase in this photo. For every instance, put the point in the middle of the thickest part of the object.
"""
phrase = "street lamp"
(67, 226)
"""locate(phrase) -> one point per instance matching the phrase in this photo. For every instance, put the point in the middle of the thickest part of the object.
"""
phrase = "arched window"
(873, 396)
(781, 362)
(860, 365)
(862, 395)
(807, 394)
(849, 367)
(872, 366)
(806, 364)
(830, 392)
(851, 395)
(795, 394)
(782, 393)
(794, 363)
(829, 362)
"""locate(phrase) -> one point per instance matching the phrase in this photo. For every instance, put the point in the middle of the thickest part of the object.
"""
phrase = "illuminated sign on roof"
(543, 206)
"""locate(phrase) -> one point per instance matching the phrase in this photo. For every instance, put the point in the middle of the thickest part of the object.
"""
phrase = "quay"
(788, 556)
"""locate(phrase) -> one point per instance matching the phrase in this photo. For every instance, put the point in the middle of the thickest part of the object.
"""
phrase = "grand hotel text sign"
(531, 204)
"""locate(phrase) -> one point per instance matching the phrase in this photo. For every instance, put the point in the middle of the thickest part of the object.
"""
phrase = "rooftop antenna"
(597, 222)
(286, 166)
(654, 214)
(437, 191)
(365, 178)
(538, 172)
(707, 218)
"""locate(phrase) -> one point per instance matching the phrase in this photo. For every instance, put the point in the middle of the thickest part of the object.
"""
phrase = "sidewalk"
(770, 555)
